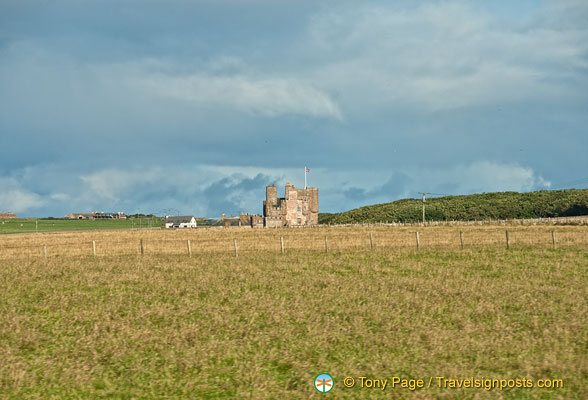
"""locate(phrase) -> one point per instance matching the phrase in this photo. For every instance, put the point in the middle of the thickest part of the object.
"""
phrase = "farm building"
(186, 221)
(8, 215)
(243, 220)
(96, 215)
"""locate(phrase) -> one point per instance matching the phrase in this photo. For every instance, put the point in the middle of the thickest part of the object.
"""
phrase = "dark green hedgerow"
(486, 206)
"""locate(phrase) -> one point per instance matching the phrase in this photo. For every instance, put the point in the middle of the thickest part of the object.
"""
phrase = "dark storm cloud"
(228, 194)
(457, 96)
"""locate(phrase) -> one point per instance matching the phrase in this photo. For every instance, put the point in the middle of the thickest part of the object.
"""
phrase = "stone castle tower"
(299, 207)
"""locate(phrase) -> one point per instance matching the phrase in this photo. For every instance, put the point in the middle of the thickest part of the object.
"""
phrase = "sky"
(195, 106)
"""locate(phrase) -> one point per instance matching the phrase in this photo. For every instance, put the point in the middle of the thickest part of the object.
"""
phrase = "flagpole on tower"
(305, 169)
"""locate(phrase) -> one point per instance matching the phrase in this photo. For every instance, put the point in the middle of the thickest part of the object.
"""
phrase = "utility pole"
(424, 201)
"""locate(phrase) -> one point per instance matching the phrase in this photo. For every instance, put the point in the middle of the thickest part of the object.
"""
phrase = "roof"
(179, 219)
(231, 221)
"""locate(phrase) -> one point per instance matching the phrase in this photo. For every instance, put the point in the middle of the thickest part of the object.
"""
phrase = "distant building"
(186, 221)
(243, 220)
(102, 215)
(299, 207)
(78, 216)
(228, 222)
(255, 220)
(8, 215)
(96, 215)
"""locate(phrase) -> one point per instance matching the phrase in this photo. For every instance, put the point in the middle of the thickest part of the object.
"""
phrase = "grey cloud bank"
(197, 105)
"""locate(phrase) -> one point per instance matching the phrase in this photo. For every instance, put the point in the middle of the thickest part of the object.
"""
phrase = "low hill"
(485, 206)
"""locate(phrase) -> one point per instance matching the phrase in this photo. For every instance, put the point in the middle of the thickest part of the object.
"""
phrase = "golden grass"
(263, 325)
(340, 239)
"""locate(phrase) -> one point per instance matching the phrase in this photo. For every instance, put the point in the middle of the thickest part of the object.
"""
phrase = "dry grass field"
(264, 324)
(340, 239)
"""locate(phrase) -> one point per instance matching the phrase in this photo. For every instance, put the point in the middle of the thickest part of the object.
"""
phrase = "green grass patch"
(263, 325)
(28, 225)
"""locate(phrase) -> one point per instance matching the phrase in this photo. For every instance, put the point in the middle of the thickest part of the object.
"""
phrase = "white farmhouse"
(180, 222)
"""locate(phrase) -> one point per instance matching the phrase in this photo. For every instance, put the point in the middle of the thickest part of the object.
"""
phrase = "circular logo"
(324, 383)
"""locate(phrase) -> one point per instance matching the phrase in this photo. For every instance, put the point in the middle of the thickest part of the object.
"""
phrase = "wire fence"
(239, 241)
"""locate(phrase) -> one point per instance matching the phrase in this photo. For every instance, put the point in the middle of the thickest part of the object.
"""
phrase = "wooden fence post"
(94, 248)
(326, 244)
(418, 244)
(142, 248)
(45, 250)
(282, 244)
(189, 249)
(507, 240)
(235, 244)
(461, 239)
(553, 239)
(371, 241)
